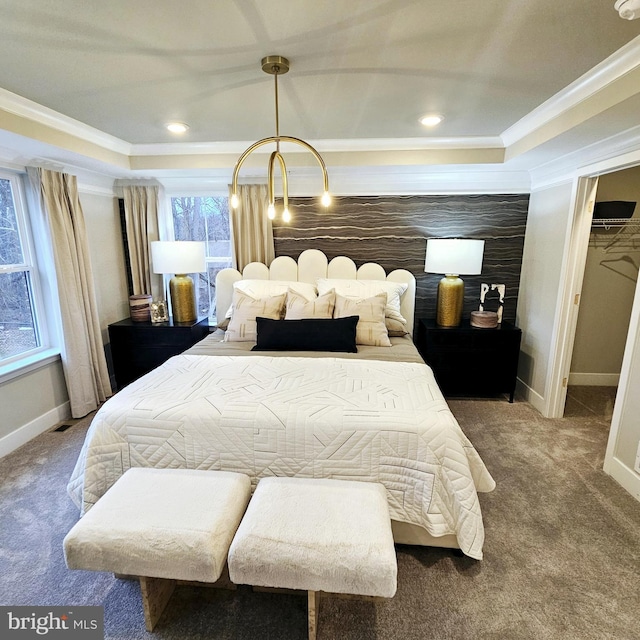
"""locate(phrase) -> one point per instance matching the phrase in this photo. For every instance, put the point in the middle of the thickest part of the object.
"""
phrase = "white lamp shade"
(454, 256)
(180, 256)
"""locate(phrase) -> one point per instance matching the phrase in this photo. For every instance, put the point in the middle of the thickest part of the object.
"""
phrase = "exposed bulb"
(326, 199)
(271, 211)
(234, 201)
(286, 216)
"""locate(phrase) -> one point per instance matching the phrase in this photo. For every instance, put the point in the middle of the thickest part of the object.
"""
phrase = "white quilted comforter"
(291, 416)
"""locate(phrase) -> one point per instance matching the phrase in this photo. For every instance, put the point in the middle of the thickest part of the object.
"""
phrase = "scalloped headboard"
(313, 264)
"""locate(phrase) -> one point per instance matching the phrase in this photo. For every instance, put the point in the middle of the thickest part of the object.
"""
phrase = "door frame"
(566, 319)
(571, 280)
(569, 296)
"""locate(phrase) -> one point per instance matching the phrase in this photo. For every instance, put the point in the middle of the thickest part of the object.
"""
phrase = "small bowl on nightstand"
(484, 319)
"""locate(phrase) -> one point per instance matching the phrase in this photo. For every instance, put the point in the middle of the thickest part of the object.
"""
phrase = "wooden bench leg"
(156, 593)
(313, 598)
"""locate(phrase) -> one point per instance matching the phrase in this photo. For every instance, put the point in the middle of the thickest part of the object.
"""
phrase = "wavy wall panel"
(392, 230)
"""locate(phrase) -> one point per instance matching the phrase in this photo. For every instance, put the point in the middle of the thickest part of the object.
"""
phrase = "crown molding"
(619, 151)
(603, 74)
(25, 108)
(10, 163)
(93, 182)
(96, 190)
(323, 146)
(359, 181)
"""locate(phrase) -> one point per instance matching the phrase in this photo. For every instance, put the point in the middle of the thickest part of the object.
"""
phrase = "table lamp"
(453, 257)
(180, 257)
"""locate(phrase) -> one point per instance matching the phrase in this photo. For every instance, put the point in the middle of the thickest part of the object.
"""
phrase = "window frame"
(167, 231)
(45, 352)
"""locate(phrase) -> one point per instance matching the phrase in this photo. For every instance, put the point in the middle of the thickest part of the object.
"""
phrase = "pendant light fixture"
(276, 65)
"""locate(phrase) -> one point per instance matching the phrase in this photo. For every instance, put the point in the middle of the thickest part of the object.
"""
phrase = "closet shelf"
(624, 234)
(616, 223)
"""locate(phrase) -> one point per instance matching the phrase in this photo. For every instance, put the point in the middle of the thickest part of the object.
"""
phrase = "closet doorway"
(608, 289)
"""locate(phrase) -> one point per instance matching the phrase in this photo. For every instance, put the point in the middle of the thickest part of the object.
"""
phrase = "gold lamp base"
(183, 298)
(450, 301)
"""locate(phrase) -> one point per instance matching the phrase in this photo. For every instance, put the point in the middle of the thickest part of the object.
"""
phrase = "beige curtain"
(251, 230)
(141, 216)
(83, 360)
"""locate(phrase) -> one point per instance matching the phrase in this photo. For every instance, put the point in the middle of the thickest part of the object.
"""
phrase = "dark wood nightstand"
(138, 347)
(467, 360)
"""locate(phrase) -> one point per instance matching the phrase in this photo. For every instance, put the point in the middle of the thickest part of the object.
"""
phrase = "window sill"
(27, 364)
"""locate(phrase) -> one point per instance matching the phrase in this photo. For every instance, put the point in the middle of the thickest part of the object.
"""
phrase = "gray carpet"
(562, 554)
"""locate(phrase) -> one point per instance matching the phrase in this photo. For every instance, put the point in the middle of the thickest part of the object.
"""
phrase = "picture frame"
(159, 311)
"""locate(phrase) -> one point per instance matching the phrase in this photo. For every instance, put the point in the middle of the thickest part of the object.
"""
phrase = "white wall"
(104, 233)
(31, 404)
(607, 293)
(545, 238)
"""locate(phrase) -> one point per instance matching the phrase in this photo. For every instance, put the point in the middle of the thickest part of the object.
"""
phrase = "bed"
(373, 413)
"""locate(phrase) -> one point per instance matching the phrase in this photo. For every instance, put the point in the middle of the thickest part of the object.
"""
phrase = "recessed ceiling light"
(431, 120)
(177, 127)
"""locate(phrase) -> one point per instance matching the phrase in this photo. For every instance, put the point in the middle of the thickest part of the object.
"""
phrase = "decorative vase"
(450, 301)
(183, 298)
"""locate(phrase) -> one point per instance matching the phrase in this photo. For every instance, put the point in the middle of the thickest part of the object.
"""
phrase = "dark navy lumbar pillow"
(310, 334)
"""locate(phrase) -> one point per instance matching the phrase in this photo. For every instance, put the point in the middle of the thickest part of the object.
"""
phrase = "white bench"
(316, 535)
(162, 525)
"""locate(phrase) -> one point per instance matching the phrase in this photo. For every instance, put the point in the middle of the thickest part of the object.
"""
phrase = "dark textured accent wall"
(392, 230)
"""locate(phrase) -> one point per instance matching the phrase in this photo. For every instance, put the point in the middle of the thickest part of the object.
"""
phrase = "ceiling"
(362, 73)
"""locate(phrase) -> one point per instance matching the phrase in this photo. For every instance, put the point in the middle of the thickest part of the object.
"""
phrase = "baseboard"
(27, 432)
(624, 476)
(531, 396)
(594, 379)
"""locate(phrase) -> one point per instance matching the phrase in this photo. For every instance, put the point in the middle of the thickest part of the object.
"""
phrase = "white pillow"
(243, 326)
(368, 289)
(266, 288)
(371, 329)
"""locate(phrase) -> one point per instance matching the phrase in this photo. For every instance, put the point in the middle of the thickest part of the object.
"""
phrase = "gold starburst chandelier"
(276, 65)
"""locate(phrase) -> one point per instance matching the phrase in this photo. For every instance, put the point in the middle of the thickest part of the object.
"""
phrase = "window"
(21, 333)
(205, 218)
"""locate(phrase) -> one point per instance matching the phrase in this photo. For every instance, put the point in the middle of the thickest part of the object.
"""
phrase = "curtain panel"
(141, 217)
(251, 230)
(83, 359)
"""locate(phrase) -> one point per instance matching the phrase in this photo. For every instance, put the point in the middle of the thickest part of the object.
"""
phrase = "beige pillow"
(242, 326)
(299, 308)
(267, 288)
(395, 328)
(371, 329)
(396, 323)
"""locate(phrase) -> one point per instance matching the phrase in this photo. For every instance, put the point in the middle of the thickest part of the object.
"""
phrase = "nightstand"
(139, 347)
(471, 361)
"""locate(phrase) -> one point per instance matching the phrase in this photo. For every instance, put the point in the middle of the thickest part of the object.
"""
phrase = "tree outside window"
(18, 325)
(205, 218)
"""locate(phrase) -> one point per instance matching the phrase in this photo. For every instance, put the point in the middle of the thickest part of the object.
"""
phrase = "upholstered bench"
(163, 526)
(316, 535)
